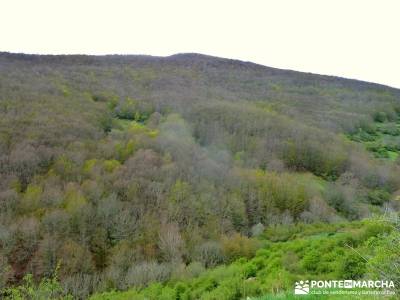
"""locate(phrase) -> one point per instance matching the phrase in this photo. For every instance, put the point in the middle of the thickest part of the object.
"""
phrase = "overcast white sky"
(349, 38)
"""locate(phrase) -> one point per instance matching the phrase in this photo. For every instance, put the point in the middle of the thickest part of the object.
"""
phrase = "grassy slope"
(382, 139)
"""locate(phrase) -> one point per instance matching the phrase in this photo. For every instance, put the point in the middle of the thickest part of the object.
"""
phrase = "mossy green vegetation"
(382, 137)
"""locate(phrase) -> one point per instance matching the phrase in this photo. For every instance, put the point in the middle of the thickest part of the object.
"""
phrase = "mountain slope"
(108, 162)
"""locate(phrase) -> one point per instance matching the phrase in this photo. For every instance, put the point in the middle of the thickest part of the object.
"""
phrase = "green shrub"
(380, 117)
(311, 260)
(127, 109)
(111, 165)
(353, 266)
(106, 122)
(375, 228)
(378, 197)
(237, 246)
(48, 288)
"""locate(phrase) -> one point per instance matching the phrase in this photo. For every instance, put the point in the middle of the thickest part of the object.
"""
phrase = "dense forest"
(183, 177)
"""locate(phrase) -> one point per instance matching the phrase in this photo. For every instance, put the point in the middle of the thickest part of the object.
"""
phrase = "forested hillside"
(112, 167)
